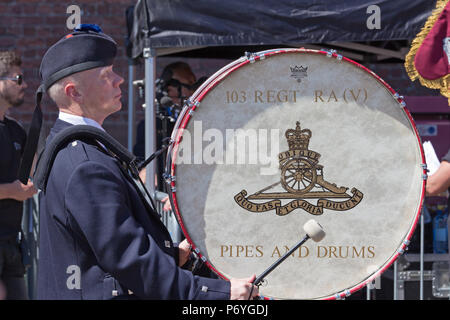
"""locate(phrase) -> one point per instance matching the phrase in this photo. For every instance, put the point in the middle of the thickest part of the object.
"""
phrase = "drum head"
(297, 134)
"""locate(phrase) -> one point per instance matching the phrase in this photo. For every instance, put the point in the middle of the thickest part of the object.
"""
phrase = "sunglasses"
(176, 83)
(18, 78)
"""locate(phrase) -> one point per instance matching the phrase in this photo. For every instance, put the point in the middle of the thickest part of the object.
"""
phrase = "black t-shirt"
(12, 143)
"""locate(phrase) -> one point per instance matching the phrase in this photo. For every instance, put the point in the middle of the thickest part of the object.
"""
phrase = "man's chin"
(17, 103)
(115, 108)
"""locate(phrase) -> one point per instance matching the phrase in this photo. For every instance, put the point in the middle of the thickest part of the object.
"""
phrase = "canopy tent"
(173, 26)
(362, 29)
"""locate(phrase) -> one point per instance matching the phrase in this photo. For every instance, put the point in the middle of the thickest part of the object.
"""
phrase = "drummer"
(97, 240)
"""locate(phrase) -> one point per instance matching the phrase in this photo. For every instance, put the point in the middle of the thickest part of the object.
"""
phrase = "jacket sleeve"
(96, 203)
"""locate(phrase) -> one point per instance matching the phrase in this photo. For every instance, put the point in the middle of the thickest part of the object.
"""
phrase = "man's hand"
(167, 206)
(240, 288)
(439, 182)
(184, 251)
(143, 174)
(18, 191)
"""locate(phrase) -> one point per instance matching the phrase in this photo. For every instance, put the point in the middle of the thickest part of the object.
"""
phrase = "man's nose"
(119, 80)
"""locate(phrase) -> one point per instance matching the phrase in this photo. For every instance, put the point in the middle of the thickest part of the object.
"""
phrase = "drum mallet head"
(313, 231)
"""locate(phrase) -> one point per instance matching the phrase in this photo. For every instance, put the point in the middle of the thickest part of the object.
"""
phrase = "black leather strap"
(83, 133)
(32, 139)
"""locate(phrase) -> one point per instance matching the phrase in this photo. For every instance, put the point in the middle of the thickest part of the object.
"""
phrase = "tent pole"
(131, 113)
(150, 122)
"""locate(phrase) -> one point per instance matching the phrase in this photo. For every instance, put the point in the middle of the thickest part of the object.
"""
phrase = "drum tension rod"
(402, 103)
(331, 52)
(425, 168)
(251, 56)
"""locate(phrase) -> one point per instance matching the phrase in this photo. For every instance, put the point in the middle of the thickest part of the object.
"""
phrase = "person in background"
(177, 82)
(439, 182)
(12, 191)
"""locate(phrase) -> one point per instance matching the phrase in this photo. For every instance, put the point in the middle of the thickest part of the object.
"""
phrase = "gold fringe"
(440, 83)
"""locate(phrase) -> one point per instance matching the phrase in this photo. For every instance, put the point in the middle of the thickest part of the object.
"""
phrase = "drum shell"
(355, 140)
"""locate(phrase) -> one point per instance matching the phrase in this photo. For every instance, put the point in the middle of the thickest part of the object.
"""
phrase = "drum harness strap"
(129, 165)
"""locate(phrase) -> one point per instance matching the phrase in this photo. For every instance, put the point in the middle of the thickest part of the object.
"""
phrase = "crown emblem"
(298, 73)
(298, 69)
(297, 138)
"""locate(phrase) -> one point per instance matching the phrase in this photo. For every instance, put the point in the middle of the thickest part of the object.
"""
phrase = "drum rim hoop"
(223, 73)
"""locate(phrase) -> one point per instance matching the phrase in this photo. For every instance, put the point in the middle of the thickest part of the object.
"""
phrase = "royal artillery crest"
(302, 180)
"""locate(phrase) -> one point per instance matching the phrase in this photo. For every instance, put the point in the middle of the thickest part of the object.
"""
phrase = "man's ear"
(72, 91)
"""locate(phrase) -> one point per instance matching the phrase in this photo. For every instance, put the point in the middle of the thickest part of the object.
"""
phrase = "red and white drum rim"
(213, 81)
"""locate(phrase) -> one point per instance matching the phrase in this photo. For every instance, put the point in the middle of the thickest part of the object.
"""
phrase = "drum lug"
(332, 52)
(329, 52)
(342, 295)
(169, 178)
(192, 104)
(402, 102)
(425, 168)
(252, 57)
(403, 247)
(197, 253)
(397, 96)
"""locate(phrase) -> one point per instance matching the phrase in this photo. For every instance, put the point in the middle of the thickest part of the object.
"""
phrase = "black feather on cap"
(86, 48)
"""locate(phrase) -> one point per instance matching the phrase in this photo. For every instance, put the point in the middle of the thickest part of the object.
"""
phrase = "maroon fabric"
(431, 60)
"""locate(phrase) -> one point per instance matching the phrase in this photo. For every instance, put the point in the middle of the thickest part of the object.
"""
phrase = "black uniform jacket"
(97, 240)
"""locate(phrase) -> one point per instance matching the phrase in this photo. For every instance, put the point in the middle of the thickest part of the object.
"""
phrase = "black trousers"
(12, 271)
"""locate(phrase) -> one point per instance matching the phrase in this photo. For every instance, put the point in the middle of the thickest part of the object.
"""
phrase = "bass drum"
(282, 136)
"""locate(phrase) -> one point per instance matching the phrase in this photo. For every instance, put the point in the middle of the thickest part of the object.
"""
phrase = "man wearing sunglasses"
(180, 82)
(176, 84)
(12, 191)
